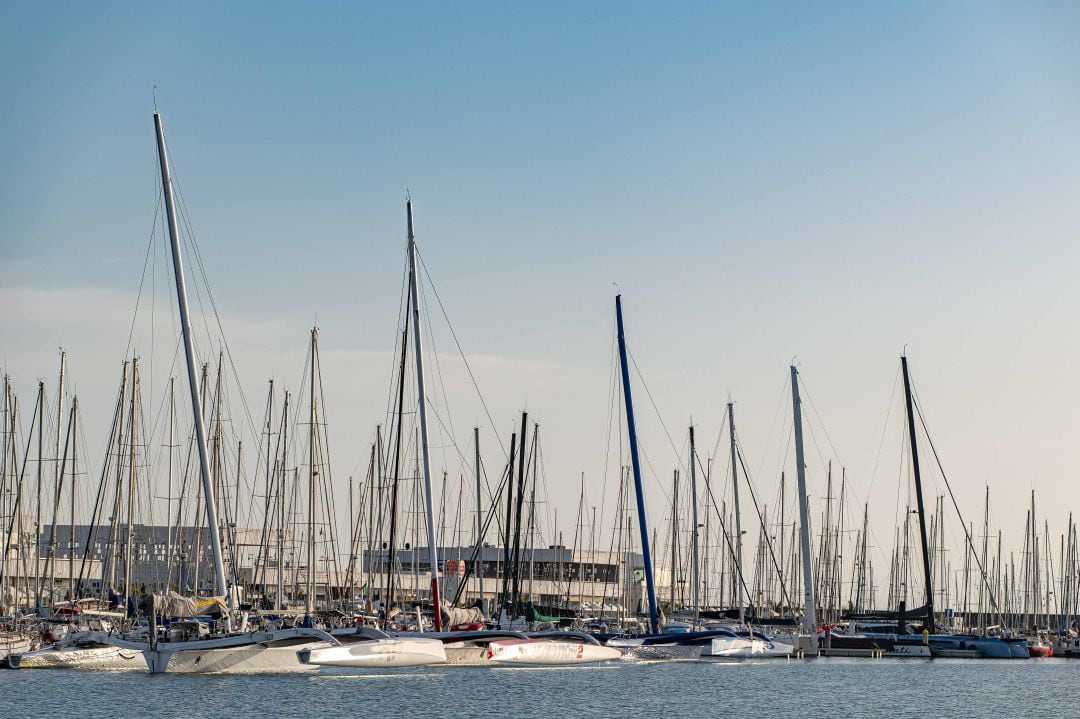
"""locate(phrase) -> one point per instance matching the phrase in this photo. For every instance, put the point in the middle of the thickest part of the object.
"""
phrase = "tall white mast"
(57, 468)
(189, 356)
(433, 550)
(739, 583)
(309, 604)
(809, 618)
(696, 568)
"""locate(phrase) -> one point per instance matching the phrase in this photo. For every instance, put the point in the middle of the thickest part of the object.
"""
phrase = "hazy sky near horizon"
(829, 182)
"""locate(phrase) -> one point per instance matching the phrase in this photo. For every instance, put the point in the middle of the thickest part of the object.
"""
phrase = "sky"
(824, 183)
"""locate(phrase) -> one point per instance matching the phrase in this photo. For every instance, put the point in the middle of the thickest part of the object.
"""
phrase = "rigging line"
(612, 384)
(761, 517)
(655, 476)
(806, 391)
(449, 424)
(884, 431)
(153, 304)
(956, 506)
(817, 447)
(849, 488)
(397, 382)
(727, 542)
(452, 444)
(772, 427)
(641, 377)
(403, 300)
(142, 280)
(296, 407)
(789, 434)
(876, 543)
(545, 499)
(159, 414)
(461, 351)
(16, 508)
(213, 304)
(322, 451)
(902, 480)
(493, 512)
(719, 436)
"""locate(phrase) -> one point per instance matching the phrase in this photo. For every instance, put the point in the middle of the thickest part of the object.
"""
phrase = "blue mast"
(632, 429)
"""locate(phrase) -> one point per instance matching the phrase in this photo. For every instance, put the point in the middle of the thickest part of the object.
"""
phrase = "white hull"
(743, 648)
(466, 655)
(259, 652)
(13, 643)
(227, 660)
(88, 658)
(661, 652)
(634, 649)
(540, 652)
(378, 653)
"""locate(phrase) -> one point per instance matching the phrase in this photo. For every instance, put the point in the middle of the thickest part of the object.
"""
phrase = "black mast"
(919, 497)
(516, 579)
(388, 596)
(507, 527)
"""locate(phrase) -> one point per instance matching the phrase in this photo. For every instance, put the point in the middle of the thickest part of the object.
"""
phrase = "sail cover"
(172, 604)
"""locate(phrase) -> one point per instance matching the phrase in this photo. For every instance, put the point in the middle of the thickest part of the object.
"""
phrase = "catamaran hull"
(739, 648)
(252, 659)
(86, 658)
(549, 653)
(379, 653)
(467, 656)
(661, 652)
(260, 652)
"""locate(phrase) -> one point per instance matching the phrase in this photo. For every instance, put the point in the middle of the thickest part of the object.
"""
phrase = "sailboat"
(366, 647)
(899, 643)
(82, 650)
(654, 645)
(12, 643)
(271, 651)
(747, 645)
(551, 649)
(13, 638)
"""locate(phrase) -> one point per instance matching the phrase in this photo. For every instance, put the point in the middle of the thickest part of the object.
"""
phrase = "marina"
(239, 613)
(592, 361)
(902, 688)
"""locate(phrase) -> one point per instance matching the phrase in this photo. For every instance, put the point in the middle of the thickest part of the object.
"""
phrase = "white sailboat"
(506, 648)
(13, 642)
(273, 651)
(250, 653)
(82, 650)
(746, 645)
(553, 651)
(371, 648)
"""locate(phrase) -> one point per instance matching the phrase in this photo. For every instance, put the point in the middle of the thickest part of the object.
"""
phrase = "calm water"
(812, 688)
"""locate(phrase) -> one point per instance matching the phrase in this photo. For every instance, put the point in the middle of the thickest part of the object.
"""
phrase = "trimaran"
(228, 652)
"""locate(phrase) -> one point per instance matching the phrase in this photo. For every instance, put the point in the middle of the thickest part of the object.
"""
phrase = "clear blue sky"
(826, 180)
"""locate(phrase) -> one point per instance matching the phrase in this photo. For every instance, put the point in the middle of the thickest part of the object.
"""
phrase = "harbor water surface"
(774, 688)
